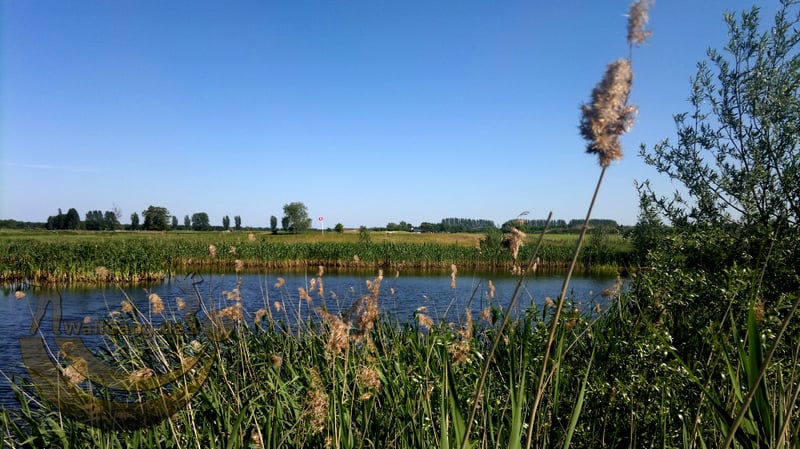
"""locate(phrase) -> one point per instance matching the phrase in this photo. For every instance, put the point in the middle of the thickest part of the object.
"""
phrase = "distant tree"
(117, 213)
(72, 220)
(285, 223)
(200, 222)
(55, 221)
(403, 226)
(174, 222)
(237, 222)
(14, 224)
(594, 223)
(155, 218)
(273, 224)
(297, 215)
(111, 220)
(94, 221)
(339, 228)
(226, 223)
(187, 223)
(465, 225)
(134, 221)
(428, 227)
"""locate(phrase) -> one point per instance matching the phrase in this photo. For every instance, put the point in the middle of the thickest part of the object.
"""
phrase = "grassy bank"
(52, 257)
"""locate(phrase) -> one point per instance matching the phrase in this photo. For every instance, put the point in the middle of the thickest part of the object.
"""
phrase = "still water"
(276, 293)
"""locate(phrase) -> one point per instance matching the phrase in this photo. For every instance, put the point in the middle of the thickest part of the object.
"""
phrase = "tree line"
(295, 219)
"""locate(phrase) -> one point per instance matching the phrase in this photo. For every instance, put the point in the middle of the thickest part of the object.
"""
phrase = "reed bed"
(295, 373)
(75, 258)
(320, 378)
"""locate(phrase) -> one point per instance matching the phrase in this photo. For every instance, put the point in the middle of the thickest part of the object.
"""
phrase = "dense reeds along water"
(278, 297)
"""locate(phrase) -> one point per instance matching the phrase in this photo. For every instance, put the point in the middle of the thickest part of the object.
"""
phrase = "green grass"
(129, 257)
(385, 384)
(614, 380)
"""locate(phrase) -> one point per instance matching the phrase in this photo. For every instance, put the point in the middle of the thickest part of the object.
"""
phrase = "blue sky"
(368, 112)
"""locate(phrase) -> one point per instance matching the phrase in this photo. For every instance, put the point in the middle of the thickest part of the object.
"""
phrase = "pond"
(83, 309)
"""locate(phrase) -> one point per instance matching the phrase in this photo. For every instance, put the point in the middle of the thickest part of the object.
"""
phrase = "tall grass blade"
(576, 411)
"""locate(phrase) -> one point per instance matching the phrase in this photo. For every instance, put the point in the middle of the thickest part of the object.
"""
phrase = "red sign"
(319, 218)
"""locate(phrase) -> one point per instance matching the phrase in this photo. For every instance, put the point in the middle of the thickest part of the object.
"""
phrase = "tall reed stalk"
(604, 120)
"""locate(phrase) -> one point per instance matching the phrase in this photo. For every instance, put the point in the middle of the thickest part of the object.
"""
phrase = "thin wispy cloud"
(63, 168)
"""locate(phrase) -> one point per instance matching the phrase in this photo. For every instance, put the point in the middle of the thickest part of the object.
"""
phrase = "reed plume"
(156, 304)
(637, 20)
(609, 115)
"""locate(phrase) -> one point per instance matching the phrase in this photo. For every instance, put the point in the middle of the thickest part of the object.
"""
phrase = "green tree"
(111, 219)
(55, 221)
(237, 222)
(99, 221)
(72, 220)
(155, 218)
(187, 223)
(339, 228)
(737, 153)
(273, 224)
(134, 221)
(297, 217)
(174, 222)
(648, 232)
(226, 223)
(200, 222)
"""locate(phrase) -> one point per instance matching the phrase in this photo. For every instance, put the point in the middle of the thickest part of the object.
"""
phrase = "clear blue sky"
(368, 112)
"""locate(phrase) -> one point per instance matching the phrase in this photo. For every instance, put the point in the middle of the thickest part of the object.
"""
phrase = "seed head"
(156, 304)
(513, 241)
(424, 320)
(368, 378)
(259, 315)
(338, 333)
(101, 272)
(637, 20)
(74, 372)
(609, 115)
